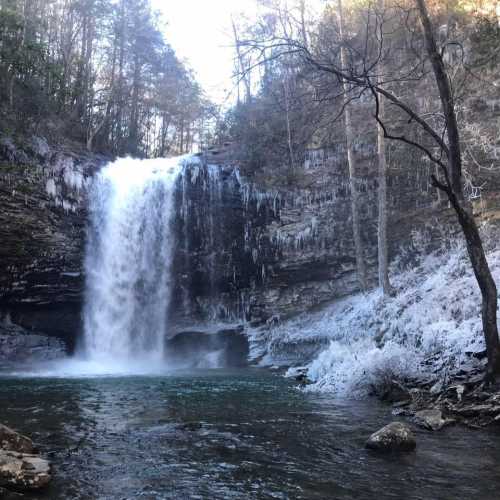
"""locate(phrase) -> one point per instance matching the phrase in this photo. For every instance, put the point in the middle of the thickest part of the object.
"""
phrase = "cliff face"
(245, 254)
(42, 234)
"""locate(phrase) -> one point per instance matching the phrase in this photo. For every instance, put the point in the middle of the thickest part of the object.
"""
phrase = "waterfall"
(128, 259)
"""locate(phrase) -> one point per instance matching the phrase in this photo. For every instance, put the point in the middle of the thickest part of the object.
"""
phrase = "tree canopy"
(100, 72)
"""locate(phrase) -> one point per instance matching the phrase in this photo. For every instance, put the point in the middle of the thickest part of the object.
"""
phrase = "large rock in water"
(396, 436)
(23, 471)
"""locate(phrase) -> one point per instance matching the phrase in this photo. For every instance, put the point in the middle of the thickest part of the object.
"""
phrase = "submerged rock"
(23, 471)
(395, 436)
(303, 379)
(13, 441)
(190, 426)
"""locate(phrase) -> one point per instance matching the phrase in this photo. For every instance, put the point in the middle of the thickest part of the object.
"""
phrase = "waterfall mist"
(128, 260)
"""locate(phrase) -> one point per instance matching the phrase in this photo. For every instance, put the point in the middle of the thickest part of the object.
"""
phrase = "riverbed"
(241, 434)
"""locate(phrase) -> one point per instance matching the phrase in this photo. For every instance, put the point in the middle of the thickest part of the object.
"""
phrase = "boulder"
(395, 436)
(23, 471)
(13, 441)
(431, 419)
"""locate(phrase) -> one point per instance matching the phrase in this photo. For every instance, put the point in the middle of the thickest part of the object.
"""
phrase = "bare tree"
(436, 135)
(453, 187)
(241, 63)
(351, 161)
(383, 260)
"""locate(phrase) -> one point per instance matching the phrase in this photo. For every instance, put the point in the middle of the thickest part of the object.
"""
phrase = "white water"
(128, 261)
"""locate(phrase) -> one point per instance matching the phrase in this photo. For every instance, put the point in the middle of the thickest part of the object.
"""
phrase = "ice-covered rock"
(395, 436)
(39, 147)
(431, 419)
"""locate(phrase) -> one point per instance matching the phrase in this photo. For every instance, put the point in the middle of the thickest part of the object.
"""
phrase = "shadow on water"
(232, 434)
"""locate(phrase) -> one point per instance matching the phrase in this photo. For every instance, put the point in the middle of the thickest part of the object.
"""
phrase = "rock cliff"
(246, 253)
(42, 234)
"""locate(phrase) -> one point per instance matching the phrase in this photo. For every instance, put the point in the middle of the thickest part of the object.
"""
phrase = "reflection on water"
(232, 435)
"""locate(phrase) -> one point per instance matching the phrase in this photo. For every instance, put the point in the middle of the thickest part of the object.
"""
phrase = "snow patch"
(429, 330)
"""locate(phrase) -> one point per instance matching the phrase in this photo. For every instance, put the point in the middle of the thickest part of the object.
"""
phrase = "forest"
(100, 73)
(411, 76)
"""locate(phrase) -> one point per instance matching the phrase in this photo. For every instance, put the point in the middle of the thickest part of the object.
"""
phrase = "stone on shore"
(20, 468)
(395, 436)
(23, 471)
(431, 419)
(13, 441)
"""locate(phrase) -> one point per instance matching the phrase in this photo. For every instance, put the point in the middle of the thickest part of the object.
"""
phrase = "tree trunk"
(242, 70)
(121, 98)
(303, 29)
(486, 284)
(11, 89)
(383, 261)
(286, 85)
(454, 190)
(353, 180)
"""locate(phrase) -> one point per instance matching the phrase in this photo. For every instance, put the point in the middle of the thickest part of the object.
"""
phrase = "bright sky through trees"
(200, 33)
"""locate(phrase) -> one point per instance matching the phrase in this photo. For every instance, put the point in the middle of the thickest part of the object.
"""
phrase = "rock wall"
(255, 255)
(42, 235)
(245, 253)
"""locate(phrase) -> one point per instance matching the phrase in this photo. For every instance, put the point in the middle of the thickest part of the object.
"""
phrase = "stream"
(241, 434)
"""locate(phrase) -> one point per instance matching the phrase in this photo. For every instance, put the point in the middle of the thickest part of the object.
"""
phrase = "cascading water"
(128, 259)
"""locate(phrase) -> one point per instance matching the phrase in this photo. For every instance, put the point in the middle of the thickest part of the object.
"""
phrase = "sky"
(200, 33)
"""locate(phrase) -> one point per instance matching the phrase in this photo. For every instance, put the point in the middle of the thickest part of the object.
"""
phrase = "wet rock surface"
(43, 197)
(394, 392)
(209, 349)
(431, 419)
(23, 471)
(13, 441)
(396, 436)
(18, 345)
(20, 467)
(466, 401)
